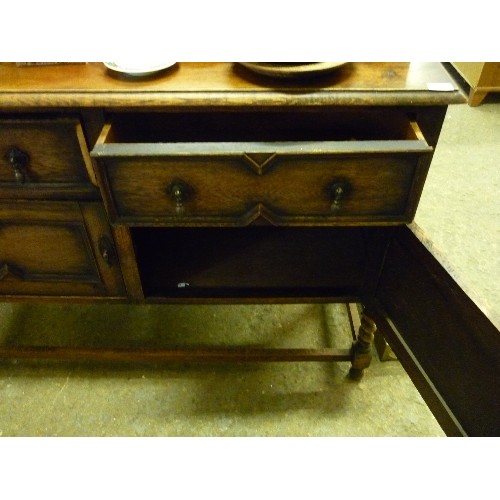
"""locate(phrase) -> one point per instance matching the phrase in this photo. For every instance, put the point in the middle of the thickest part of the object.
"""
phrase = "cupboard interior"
(256, 261)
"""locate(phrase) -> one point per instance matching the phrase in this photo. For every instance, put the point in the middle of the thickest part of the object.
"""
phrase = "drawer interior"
(260, 126)
(258, 261)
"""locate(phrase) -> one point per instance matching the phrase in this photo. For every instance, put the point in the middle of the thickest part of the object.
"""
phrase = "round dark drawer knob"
(179, 193)
(338, 191)
(19, 161)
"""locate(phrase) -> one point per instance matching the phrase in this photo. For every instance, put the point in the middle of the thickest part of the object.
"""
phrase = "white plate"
(135, 68)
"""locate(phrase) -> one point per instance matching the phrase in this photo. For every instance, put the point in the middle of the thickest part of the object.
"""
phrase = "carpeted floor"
(251, 399)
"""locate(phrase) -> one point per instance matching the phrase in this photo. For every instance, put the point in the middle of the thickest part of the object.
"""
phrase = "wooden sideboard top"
(224, 84)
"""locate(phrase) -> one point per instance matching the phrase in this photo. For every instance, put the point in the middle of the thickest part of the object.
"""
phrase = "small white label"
(441, 87)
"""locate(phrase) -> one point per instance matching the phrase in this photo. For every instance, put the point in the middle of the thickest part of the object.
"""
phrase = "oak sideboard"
(208, 183)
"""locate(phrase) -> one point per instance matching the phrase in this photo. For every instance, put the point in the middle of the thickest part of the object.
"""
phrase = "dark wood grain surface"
(52, 248)
(92, 84)
(444, 341)
(57, 158)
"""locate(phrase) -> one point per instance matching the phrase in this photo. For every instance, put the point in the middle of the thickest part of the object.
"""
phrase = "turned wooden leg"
(361, 348)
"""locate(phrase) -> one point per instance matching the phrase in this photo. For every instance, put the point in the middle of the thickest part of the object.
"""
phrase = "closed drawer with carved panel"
(232, 169)
(57, 249)
(44, 156)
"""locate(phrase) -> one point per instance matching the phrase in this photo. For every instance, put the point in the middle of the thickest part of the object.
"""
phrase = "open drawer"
(287, 168)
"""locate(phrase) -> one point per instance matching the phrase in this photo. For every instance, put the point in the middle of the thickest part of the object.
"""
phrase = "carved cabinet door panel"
(57, 249)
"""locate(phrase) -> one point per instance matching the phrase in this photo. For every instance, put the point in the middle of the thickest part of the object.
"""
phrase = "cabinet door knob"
(179, 193)
(19, 161)
(107, 250)
(338, 191)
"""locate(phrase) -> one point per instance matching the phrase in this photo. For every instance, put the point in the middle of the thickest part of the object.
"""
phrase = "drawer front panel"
(236, 190)
(43, 155)
(50, 249)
